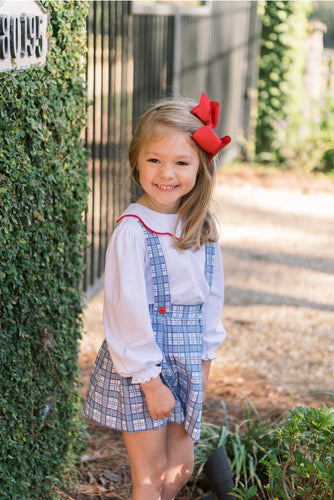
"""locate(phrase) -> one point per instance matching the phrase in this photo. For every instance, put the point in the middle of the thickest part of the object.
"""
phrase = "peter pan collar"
(157, 222)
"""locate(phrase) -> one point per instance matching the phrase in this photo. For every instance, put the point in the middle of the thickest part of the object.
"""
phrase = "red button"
(162, 310)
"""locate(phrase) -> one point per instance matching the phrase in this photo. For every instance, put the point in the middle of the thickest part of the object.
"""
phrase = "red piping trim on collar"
(145, 225)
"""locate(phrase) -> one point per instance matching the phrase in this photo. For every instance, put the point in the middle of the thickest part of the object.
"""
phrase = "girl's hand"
(205, 374)
(159, 398)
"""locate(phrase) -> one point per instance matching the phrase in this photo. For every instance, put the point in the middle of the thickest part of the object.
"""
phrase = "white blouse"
(129, 289)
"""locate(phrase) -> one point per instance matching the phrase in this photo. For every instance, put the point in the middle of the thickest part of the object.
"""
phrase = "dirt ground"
(277, 240)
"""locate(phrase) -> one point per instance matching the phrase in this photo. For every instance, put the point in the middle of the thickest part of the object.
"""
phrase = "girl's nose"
(167, 170)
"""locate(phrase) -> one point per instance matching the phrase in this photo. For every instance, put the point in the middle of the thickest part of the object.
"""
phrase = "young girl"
(164, 290)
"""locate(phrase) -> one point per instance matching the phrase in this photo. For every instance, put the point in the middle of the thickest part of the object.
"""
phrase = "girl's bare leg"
(180, 460)
(148, 461)
(161, 461)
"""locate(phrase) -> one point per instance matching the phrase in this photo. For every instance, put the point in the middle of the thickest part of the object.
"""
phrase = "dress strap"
(162, 297)
(209, 262)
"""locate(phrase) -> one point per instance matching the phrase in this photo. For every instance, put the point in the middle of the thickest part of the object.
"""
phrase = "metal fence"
(140, 52)
(109, 79)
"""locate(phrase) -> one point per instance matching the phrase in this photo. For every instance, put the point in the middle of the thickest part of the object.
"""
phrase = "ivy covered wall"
(43, 193)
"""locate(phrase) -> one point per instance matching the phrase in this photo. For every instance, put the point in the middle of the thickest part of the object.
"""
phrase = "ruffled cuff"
(141, 378)
(209, 355)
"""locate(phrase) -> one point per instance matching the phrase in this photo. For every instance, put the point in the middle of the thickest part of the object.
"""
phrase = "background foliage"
(281, 87)
(293, 129)
(289, 459)
(43, 192)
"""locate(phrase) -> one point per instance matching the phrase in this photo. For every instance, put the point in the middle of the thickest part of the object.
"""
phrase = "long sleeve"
(127, 324)
(213, 330)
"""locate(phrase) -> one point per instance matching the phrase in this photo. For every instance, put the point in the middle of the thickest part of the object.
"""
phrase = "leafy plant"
(304, 464)
(246, 446)
(244, 493)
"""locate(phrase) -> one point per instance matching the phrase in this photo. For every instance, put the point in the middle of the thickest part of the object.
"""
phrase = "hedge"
(43, 193)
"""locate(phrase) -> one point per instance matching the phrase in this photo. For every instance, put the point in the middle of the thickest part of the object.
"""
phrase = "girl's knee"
(186, 467)
(153, 478)
(186, 471)
(176, 478)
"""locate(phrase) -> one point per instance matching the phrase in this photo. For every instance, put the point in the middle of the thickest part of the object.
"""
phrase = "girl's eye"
(182, 163)
(153, 160)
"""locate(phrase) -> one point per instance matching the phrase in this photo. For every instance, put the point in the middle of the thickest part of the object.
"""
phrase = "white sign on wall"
(23, 34)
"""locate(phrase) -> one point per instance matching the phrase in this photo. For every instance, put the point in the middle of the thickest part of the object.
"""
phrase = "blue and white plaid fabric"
(114, 401)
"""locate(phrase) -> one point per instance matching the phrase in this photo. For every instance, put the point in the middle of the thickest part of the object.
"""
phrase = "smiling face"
(167, 166)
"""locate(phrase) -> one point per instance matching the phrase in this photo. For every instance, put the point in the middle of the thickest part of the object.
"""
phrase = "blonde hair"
(197, 223)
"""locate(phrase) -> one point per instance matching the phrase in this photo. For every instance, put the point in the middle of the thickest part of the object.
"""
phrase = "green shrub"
(305, 147)
(304, 464)
(327, 161)
(43, 192)
(291, 459)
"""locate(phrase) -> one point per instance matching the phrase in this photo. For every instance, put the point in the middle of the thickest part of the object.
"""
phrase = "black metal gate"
(109, 80)
(140, 52)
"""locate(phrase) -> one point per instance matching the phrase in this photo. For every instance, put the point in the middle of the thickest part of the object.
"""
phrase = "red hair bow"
(205, 137)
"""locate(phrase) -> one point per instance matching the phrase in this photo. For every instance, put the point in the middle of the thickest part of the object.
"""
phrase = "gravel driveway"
(277, 239)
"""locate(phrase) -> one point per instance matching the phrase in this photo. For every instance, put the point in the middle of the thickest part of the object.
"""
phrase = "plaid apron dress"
(114, 401)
